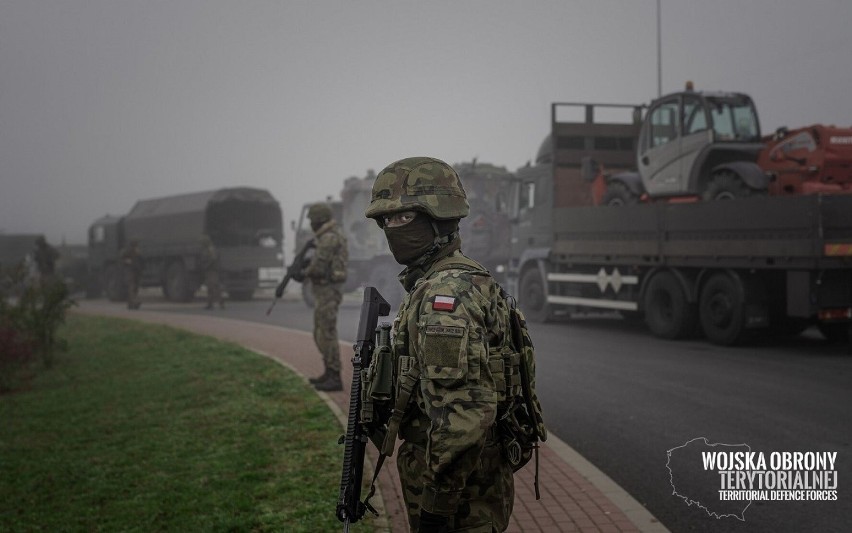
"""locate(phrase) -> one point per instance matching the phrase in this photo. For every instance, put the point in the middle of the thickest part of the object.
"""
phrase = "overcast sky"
(103, 103)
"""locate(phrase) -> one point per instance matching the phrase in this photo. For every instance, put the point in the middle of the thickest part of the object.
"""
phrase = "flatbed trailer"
(722, 268)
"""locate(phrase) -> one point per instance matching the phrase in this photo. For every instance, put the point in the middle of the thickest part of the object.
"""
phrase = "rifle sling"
(406, 387)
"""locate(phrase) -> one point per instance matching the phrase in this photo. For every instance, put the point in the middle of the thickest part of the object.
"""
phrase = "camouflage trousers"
(326, 301)
(214, 288)
(131, 281)
(486, 502)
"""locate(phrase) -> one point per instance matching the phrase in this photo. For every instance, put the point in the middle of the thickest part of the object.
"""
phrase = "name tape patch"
(444, 303)
(445, 331)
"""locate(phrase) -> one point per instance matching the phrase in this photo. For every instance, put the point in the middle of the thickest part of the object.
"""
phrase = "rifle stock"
(292, 273)
(350, 508)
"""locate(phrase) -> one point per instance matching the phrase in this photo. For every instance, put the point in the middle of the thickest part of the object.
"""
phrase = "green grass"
(147, 428)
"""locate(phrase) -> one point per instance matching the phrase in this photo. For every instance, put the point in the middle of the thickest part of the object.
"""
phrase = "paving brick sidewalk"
(575, 496)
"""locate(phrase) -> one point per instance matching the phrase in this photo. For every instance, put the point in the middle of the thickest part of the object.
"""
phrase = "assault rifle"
(350, 508)
(294, 271)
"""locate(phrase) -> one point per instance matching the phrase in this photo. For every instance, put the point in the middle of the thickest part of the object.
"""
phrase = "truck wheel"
(114, 285)
(308, 293)
(177, 283)
(533, 298)
(722, 310)
(725, 185)
(668, 313)
(617, 194)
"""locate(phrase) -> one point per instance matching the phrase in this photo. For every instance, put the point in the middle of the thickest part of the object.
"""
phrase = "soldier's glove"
(433, 523)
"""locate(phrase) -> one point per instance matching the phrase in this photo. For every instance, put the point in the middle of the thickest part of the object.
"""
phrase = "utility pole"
(659, 53)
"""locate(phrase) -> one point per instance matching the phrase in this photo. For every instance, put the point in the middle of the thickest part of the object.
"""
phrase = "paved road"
(622, 398)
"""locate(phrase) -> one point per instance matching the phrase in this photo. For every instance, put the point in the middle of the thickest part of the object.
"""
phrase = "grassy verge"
(147, 428)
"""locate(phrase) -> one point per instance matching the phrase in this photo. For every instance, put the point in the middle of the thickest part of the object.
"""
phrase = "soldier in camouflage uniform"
(132, 264)
(208, 259)
(451, 466)
(327, 272)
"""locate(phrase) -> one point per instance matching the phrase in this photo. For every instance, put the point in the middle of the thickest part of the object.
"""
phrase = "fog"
(103, 103)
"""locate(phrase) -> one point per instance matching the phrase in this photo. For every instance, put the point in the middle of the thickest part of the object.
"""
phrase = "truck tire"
(722, 310)
(114, 284)
(533, 297)
(178, 287)
(617, 194)
(668, 312)
(725, 185)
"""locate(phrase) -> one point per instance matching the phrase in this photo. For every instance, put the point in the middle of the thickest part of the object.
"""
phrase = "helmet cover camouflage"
(419, 184)
(319, 213)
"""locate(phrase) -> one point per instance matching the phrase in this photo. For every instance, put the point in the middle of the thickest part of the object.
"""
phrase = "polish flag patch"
(443, 303)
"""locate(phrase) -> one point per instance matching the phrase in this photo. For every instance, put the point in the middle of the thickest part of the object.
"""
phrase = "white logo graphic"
(723, 479)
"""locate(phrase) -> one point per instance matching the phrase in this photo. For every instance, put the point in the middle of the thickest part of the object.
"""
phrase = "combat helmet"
(419, 184)
(320, 213)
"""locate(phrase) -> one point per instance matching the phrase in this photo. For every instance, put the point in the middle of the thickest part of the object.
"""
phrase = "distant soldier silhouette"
(209, 262)
(132, 263)
(327, 272)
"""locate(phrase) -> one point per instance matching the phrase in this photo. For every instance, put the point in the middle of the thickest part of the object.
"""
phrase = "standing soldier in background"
(45, 257)
(209, 261)
(447, 338)
(327, 272)
(132, 262)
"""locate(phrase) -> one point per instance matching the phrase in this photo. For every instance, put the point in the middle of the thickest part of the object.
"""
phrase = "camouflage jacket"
(445, 326)
(331, 256)
(132, 260)
(208, 259)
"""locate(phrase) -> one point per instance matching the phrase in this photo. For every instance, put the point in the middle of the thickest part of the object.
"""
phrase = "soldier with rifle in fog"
(325, 269)
(327, 272)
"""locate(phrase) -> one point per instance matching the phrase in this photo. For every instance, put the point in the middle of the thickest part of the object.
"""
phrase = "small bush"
(30, 314)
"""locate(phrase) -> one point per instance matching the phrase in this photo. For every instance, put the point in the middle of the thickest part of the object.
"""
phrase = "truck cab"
(105, 241)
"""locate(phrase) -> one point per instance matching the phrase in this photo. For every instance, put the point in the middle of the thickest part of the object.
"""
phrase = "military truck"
(245, 225)
(724, 269)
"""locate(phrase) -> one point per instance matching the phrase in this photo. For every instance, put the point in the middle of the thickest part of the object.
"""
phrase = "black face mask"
(317, 224)
(409, 242)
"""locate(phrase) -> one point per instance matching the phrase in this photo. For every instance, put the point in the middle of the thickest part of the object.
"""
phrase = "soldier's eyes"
(399, 219)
